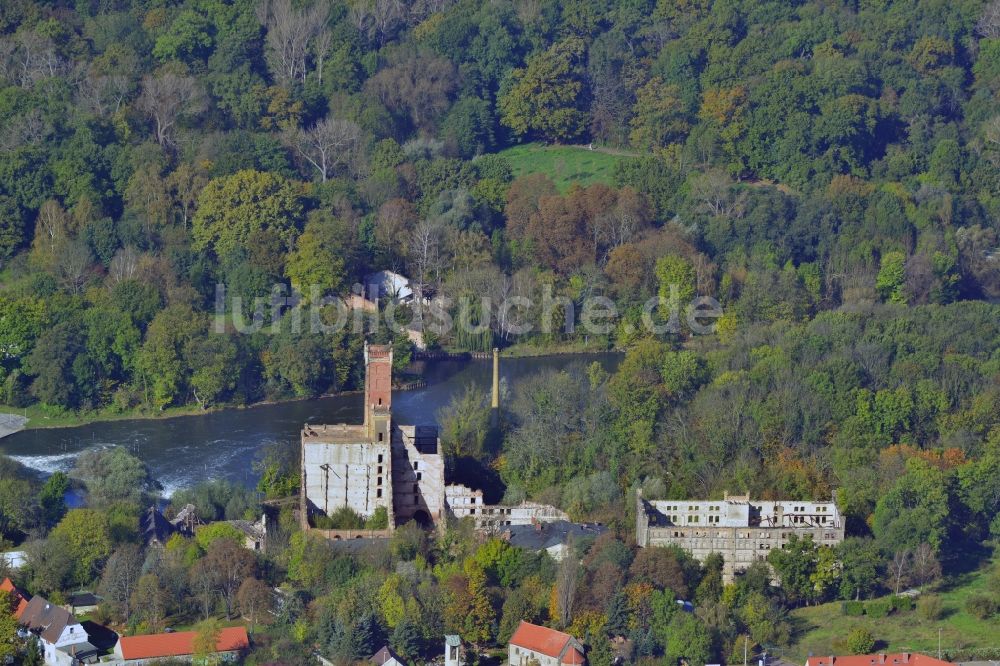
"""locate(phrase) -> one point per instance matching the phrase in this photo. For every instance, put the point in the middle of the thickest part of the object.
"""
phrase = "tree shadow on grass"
(964, 565)
(800, 626)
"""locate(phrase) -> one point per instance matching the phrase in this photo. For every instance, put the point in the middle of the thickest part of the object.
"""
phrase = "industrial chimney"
(495, 404)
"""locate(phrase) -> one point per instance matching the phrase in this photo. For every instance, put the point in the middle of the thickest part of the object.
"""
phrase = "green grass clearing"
(565, 165)
(818, 629)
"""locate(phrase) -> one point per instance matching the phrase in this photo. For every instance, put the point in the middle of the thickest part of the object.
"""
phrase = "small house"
(386, 657)
(82, 602)
(64, 641)
(390, 285)
(895, 659)
(556, 538)
(156, 530)
(150, 648)
(548, 647)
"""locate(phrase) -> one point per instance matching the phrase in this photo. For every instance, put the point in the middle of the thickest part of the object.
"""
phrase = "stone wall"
(354, 475)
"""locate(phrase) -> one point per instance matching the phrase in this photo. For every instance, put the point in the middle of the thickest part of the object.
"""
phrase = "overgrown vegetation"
(827, 171)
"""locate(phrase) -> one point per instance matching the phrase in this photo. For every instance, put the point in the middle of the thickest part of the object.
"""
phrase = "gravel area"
(11, 423)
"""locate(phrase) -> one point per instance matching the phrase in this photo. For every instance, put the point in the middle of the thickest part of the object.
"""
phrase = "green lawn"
(565, 165)
(819, 627)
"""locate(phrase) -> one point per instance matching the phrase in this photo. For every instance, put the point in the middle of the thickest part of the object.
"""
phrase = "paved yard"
(11, 423)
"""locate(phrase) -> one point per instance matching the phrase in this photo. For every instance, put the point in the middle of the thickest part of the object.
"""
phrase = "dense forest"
(786, 158)
(828, 171)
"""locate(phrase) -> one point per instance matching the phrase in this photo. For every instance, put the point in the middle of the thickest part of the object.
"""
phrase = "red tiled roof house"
(898, 659)
(153, 647)
(18, 599)
(546, 646)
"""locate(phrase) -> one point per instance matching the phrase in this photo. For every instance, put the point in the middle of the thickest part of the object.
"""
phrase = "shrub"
(379, 519)
(930, 607)
(343, 518)
(859, 641)
(878, 608)
(901, 603)
(853, 608)
(981, 606)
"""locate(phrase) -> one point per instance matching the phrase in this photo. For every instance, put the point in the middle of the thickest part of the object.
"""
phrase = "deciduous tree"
(545, 98)
(255, 600)
(233, 210)
(120, 579)
(328, 145)
(167, 98)
(86, 535)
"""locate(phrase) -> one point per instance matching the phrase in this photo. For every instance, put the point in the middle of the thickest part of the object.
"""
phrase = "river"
(184, 450)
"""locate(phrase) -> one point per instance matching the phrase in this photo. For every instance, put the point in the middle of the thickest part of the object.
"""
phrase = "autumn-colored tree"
(659, 115)
(660, 568)
(185, 184)
(255, 600)
(558, 233)
(522, 201)
(677, 281)
(478, 625)
(206, 641)
(394, 221)
(148, 195)
(229, 564)
(151, 601)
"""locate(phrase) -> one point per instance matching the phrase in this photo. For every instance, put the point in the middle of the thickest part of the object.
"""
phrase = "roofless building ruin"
(381, 463)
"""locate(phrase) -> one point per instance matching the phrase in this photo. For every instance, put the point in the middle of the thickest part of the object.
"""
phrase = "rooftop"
(547, 641)
(547, 535)
(155, 528)
(179, 644)
(47, 619)
(20, 598)
(83, 599)
(384, 655)
(740, 511)
(335, 434)
(896, 659)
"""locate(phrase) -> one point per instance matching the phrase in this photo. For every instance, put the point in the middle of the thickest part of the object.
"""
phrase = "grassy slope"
(565, 165)
(818, 627)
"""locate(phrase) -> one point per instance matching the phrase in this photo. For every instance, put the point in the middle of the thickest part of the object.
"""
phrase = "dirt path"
(11, 423)
(619, 152)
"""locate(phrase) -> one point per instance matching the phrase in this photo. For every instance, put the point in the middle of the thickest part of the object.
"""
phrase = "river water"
(183, 450)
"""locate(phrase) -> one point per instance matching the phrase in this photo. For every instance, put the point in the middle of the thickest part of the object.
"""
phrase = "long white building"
(740, 529)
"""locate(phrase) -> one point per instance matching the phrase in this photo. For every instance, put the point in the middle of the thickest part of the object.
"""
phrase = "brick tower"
(378, 390)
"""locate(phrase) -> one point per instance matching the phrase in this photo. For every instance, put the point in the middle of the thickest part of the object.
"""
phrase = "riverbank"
(41, 417)
(224, 443)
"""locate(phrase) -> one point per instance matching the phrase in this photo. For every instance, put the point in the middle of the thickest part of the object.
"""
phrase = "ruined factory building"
(396, 467)
(738, 528)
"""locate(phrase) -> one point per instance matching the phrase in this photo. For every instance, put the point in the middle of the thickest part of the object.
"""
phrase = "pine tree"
(601, 652)
(32, 655)
(406, 639)
(367, 637)
(617, 624)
